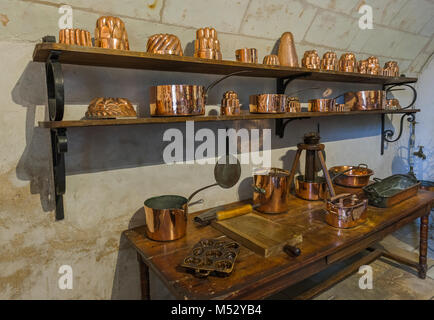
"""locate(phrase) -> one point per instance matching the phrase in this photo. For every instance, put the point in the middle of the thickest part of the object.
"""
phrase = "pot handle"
(377, 179)
(363, 165)
(258, 190)
(196, 202)
(341, 173)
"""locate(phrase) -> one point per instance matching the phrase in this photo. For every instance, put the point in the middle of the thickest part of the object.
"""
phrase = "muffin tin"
(212, 255)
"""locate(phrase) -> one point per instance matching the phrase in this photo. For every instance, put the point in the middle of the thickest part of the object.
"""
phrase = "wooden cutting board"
(259, 234)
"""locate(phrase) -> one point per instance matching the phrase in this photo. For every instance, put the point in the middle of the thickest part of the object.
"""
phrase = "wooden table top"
(319, 240)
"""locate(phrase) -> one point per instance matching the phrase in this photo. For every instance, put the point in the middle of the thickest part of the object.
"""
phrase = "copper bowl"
(268, 103)
(177, 100)
(311, 190)
(346, 211)
(351, 176)
(271, 190)
(321, 105)
(365, 100)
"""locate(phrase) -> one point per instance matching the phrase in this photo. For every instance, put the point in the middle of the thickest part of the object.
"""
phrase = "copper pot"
(351, 176)
(321, 105)
(271, 190)
(247, 55)
(365, 100)
(268, 103)
(311, 190)
(346, 211)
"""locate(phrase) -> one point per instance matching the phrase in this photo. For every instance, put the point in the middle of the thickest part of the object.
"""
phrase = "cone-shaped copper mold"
(348, 63)
(77, 37)
(287, 53)
(391, 69)
(330, 61)
(110, 108)
(164, 44)
(110, 33)
(230, 104)
(370, 66)
(247, 55)
(311, 60)
(271, 60)
(207, 46)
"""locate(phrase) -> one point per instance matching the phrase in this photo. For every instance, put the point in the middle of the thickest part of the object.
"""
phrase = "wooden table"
(255, 277)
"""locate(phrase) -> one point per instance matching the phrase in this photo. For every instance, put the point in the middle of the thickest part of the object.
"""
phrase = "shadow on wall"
(96, 149)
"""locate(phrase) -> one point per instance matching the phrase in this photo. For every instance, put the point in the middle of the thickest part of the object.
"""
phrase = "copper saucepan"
(351, 176)
(180, 99)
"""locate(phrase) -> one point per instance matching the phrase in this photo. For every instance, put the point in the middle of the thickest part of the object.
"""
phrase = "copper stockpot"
(271, 190)
(365, 100)
(311, 190)
(351, 176)
(268, 103)
(346, 211)
(166, 217)
(321, 105)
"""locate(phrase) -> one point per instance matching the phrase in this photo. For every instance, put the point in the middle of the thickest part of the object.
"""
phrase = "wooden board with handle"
(259, 234)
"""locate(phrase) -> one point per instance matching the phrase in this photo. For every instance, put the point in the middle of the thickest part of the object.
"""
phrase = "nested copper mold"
(311, 60)
(247, 55)
(330, 61)
(370, 66)
(177, 100)
(365, 100)
(164, 44)
(230, 104)
(207, 46)
(271, 190)
(391, 69)
(271, 60)
(77, 37)
(268, 103)
(110, 108)
(346, 211)
(348, 63)
(110, 33)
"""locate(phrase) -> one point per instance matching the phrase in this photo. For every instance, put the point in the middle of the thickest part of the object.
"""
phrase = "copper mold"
(109, 108)
(346, 211)
(166, 218)
(164, 44)
(392, 104)
(110, 33)
(207, 46)
(370, 66)
(330, 61)
(287, 53)
(311, 60)
(348, 63)
(268, 103)
(365, 100)
(75, 37)
(177, 100)
(293, 104)
(391, 69)
(212, 256)
(271, 190)
(247, 55)
(321, 105)
(230, 104)
(311, 190)
(271, 60)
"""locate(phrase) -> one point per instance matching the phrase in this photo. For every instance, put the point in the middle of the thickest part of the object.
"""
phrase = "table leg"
(423, 250)
(144, 278)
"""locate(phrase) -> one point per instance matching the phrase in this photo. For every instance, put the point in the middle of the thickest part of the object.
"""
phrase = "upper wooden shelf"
(148, 61)
(242, 116)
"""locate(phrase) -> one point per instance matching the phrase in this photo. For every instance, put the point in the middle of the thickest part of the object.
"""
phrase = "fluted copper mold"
(230, 104)
(164, 44)
(287, 53)
(110, 33)
(271, 60)
(330, 61)
(311, 60)
(268, 103)
(370, 66)
(77, 37)
(207, 46)
(348, 63)
(391, 69)
(177, 100)
(293, 104)
(110, 108)
(247, 55)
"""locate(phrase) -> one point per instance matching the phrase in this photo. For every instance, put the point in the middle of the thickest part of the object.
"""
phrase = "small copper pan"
(351, 176)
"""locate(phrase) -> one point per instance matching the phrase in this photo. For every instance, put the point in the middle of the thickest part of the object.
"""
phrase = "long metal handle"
(213, 84)
(291, 250)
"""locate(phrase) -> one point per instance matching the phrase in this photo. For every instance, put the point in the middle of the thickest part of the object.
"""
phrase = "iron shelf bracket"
(281, 125)
(59, 146)
(387, 135)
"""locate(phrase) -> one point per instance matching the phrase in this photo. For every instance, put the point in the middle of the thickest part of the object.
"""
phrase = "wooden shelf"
(243, 116)
(141, 60)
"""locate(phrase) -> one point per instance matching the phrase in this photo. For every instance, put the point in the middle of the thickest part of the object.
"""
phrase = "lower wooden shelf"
(242, 116)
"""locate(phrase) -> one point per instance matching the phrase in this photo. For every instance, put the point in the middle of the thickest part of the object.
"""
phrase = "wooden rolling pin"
(216, 214)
